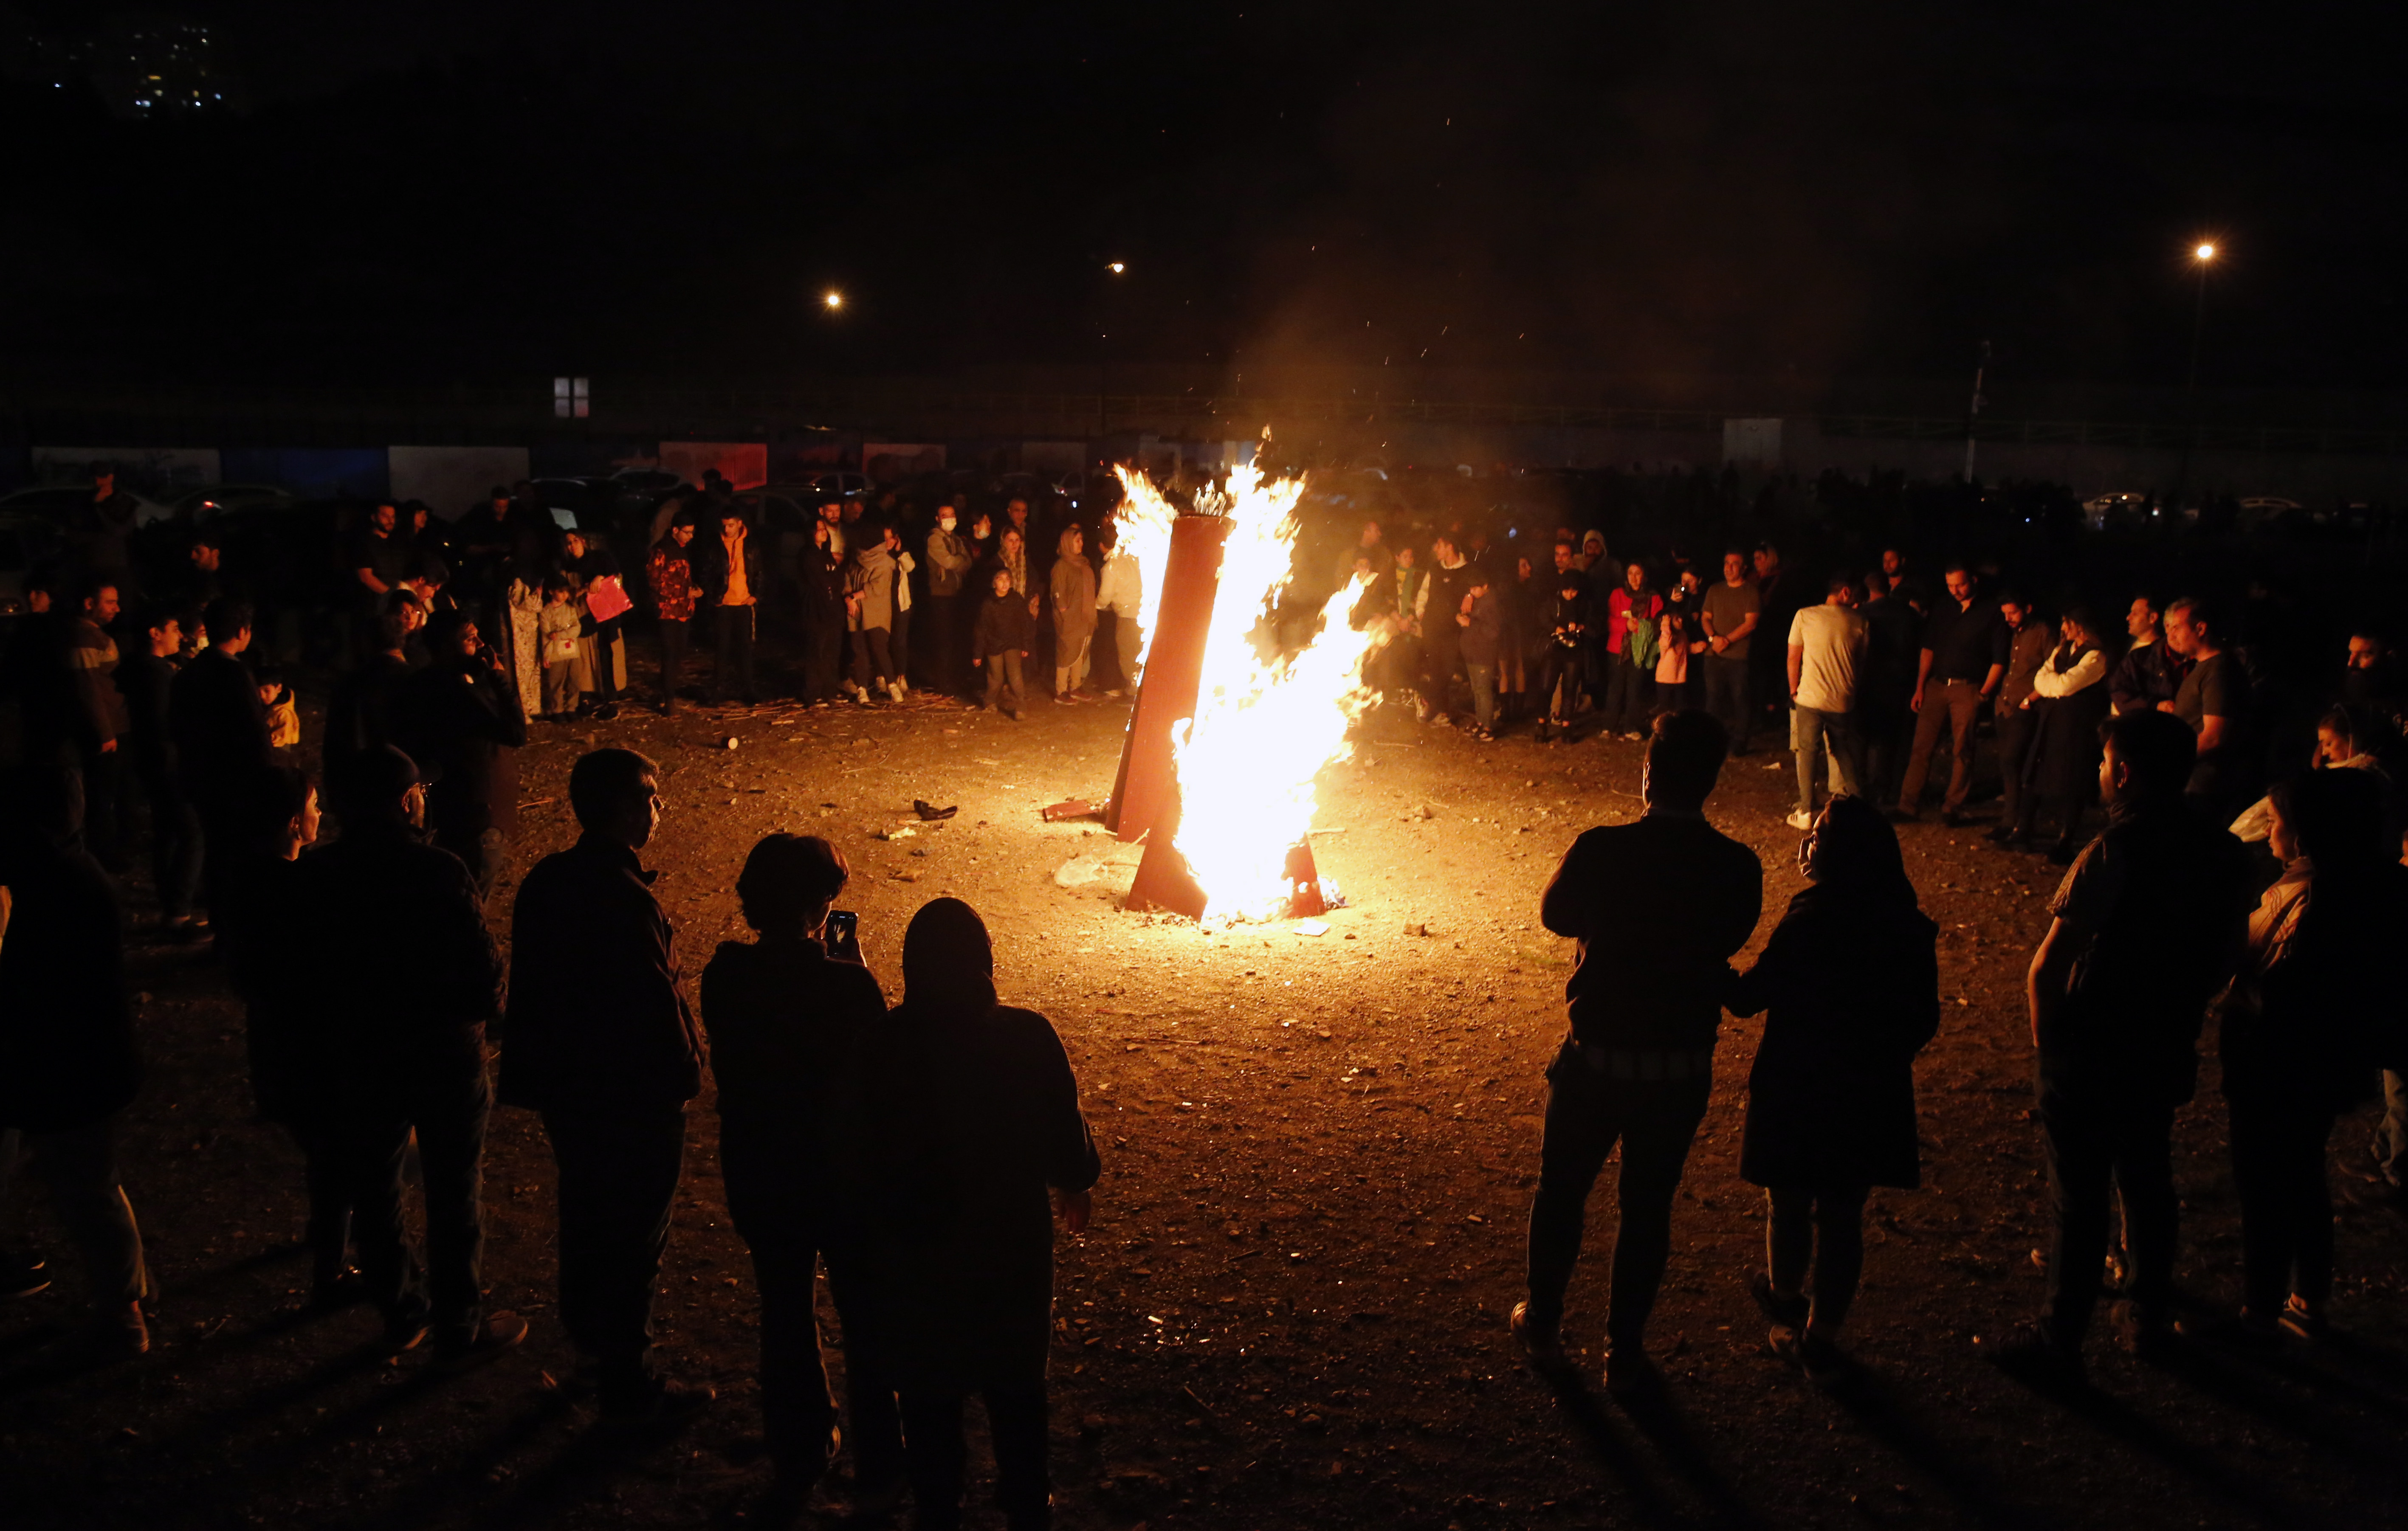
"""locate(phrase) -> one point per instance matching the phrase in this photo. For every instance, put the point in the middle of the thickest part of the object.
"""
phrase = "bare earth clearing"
(1318, 1155)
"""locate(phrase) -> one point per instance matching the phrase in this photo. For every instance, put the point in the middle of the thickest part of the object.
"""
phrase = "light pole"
(1973, 409)
(2203, 255)
(1103, 363)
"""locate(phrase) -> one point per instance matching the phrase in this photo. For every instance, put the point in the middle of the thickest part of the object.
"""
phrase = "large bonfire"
(1263, 727)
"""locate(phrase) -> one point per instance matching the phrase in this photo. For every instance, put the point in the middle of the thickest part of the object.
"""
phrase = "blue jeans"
(1814, 733)
(1483, 693)
(1726, 691)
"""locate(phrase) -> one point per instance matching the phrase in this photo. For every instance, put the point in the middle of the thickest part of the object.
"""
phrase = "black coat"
(362, 712)
(1852, 984)
(785, 1020)
(1003, 626)
(67, 1054)
(389, 947)
(967, 1116)
(596, 1020)
(2064, 760)
(458, 720)
(221, 728)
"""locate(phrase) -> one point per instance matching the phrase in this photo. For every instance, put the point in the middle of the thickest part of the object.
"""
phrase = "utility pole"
(1973, 409)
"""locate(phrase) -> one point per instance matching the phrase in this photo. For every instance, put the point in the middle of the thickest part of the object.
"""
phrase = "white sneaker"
(1799, 819)
(902, 688)
(896, 690)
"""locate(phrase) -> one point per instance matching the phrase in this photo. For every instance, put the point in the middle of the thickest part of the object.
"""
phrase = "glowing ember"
(1143, 526)
(1262, 730)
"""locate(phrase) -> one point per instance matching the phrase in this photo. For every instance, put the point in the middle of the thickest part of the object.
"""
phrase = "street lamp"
(832, 300)
(1117, 267)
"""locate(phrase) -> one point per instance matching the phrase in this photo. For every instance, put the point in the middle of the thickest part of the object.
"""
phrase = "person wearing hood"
(869, 596)
(391, 934)
(968, 1115)
(1850, 984)
(729, 571)
(69, 1063)
(1073, 589)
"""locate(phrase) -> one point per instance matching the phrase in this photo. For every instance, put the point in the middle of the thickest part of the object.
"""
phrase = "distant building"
(143, 64)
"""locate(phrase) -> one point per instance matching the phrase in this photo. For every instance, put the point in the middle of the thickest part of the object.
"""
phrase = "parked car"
(28, 541)
(842, 482)
(208, 502)
(61, 502)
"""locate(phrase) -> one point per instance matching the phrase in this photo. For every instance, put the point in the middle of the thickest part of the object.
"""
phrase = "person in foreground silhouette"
(1850, 980)
(2304, 1031)
(597, 1038)
(786, 1014)
(1659, 907)
(967, 1112)
(2148, 926)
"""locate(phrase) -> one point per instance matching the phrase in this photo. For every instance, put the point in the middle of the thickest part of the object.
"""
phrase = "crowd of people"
(912, 1152)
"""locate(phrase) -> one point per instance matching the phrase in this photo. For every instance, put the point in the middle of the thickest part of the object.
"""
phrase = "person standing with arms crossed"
(1732, 611)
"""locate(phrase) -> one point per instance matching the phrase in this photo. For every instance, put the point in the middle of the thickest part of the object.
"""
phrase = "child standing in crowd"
(558, 627)
(283, 717)
(1000, 642)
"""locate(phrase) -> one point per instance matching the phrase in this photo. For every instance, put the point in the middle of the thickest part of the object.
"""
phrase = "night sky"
(447, 190)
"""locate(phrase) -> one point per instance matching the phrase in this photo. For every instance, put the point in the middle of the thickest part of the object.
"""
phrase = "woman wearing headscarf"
(2304, 1027)
(1850, 980)
(1073, 588)
(969, 1113)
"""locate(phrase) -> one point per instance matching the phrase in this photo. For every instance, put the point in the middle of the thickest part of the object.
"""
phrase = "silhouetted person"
(2147, 925)
(294, 1081)
(2302, 1037)
(785, 1014)
(363, 710)
(68, 1061)
(98, 723)
(969, 1113)
(221, 730)
(1850, 982)
(598, 1038)
(1659, 907)
(462, 723)
(392, 932)
(143, 676)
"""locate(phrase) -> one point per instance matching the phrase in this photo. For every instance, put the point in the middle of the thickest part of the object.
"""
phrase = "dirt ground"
(1319, 1152)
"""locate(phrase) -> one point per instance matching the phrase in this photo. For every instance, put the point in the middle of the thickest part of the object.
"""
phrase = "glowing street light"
(2204, 253)
(833, 301)
(1117, 267)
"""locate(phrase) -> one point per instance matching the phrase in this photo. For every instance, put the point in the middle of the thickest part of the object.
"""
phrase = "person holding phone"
(785, 1013)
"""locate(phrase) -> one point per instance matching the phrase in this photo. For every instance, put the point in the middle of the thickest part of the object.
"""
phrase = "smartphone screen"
(842, 926)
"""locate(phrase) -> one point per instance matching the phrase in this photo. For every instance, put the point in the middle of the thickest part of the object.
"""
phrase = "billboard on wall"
(887, 461)
(453, 480)
(155, 471)
(743, 463)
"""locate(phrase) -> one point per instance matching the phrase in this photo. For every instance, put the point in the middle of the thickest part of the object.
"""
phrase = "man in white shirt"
(1119, 592)
(1826, 642)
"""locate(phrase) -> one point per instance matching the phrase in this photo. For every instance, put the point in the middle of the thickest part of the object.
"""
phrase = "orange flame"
(1263, 730)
